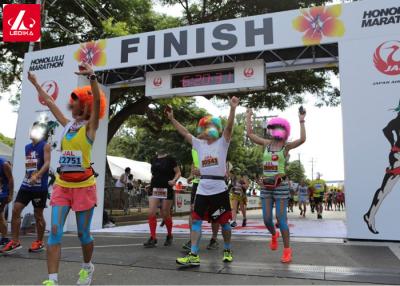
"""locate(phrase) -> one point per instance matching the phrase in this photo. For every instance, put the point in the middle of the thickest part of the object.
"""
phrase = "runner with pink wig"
(274, 183)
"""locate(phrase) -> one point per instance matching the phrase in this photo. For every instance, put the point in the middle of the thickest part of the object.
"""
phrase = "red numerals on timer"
(206, 79)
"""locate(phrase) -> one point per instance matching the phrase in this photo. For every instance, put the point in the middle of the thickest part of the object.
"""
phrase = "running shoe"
(189, 260)
(11, 247)
(151, 243)
(227, 255)
(85, 275)
(301, 212)
(37, 246)
(187, 246)
(234, 224)
(213, 245)
(168, 240)
(319, 216)
(4, 241)
(162, 223)
(49, 282)
(287, 255)
(244, 222)
(273, 245)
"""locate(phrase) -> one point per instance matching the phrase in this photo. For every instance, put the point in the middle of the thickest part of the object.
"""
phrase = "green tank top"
(274, 163)
(196, 164)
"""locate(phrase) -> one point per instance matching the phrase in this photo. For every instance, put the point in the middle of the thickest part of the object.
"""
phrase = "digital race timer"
(231, 77)
(214, 77)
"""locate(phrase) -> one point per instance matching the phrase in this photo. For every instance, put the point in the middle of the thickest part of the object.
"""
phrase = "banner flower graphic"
(319, 22)
(92, 53)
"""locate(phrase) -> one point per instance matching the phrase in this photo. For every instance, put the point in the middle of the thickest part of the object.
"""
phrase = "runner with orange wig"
(75, 185)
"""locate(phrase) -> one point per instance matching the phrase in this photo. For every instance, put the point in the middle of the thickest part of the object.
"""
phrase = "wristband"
(302, 121)
(92, 77)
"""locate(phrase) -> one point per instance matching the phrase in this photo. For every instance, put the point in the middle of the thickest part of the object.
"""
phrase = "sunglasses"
(278, 126)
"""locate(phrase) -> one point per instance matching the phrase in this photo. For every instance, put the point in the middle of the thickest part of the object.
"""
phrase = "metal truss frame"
(276, 61)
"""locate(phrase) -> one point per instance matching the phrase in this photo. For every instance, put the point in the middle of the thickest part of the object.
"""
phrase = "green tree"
(295, 171)
(283, 89)
(6, 140)
(148, 136)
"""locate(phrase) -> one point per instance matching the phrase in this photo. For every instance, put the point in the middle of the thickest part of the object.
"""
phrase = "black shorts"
(318, 200)
(3, 204)
(38, 199)
(214, 208)
(193, 193)
(170, 192)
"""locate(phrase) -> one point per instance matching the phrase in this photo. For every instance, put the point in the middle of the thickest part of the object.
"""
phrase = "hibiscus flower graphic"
(318, 22)
(92, 53)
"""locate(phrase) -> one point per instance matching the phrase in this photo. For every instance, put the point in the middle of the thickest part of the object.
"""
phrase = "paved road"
(122, 260)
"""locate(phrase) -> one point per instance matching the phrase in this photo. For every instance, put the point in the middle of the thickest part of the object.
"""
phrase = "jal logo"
(51, 88)
(387, 58)
(21, 22)
(248, 72)
(157, 81)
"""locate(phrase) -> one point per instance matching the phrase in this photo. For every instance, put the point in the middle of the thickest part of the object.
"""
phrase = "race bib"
(160, 193)
(271, 167)
(31, 165)
(71, 161)
(209, 161)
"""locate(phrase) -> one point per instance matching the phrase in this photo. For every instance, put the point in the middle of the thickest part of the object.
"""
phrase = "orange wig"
(85, 97)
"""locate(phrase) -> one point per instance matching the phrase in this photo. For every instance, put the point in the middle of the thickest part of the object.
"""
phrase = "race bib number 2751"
(70, 158)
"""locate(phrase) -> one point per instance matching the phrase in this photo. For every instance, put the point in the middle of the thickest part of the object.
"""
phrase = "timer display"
(215, 77)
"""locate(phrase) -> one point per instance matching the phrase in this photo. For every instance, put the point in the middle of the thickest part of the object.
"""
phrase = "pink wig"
(279, 122)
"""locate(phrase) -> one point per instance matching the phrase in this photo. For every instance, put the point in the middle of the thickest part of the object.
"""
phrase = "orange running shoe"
(287, 255)
(274, 241)
(37, 246)
(11, 247)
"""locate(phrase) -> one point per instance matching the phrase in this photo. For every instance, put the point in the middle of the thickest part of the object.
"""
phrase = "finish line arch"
(361, 38)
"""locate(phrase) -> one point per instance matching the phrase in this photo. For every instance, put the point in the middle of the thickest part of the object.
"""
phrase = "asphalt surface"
(121, 259)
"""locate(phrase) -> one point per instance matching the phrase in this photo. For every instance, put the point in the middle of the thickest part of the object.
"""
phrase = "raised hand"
(32, 78)
(302, 115)
(169, 112)
(234, 102)
(84, 69)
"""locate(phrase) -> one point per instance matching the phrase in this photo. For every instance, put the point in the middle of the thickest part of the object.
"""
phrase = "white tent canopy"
(139, 170)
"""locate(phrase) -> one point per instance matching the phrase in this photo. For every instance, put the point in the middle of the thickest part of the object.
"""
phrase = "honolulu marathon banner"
(367, 33)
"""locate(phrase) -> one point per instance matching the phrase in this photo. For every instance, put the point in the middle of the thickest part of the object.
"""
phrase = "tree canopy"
(84, 20)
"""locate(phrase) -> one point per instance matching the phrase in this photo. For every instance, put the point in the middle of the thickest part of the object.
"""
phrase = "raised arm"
(179, 127)
(249, 129)
(48, 100)
(234, 102)
(302, 139)
(93, 123)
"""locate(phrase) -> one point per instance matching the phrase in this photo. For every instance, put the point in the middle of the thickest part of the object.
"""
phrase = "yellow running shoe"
(227, 255)
(49, 282)
(189, 260)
